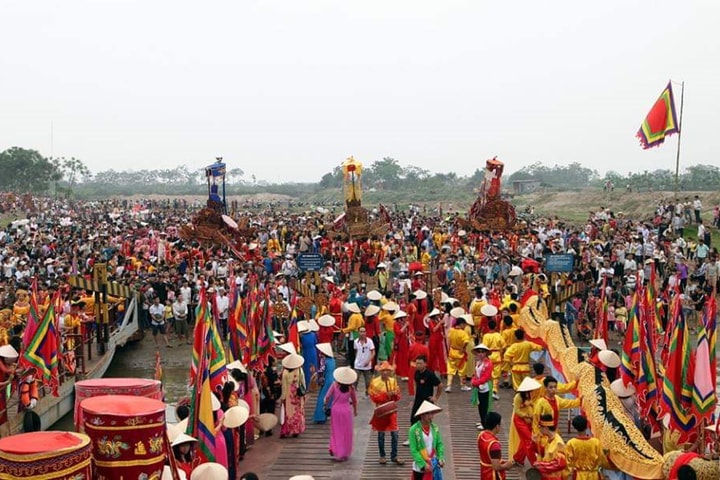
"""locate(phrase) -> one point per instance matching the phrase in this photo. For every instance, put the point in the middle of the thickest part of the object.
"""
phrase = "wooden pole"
(677, 157)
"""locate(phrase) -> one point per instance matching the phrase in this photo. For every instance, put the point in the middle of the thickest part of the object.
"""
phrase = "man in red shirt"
(417, 349)
(492, 466)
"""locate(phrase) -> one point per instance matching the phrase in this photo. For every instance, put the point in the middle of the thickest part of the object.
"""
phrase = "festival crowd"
(429, 309)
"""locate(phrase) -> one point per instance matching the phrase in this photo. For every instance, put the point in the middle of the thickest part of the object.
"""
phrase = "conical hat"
(391, 306)
(237, 364)
(314, 327)
(345, 375)
(609, 358)
(325, 348)
(326, 321)
(303, 326)
(399, 314)
(266, 422)
(182, 438)
(215, 403)
(444, 297)
(457, 312)
(353, 307)
(427, 407)
(622, 391)
(292, 362)
(489, 310)
(289, 348)
(434, 312)
(235, 417)
(372, 310)
(8, 351)
(374, 295)
(167, 474)
(420, 294)
(528, 385)
(451, 301)
(242, 403)
(172, 431)
(182, 425)
(481, 346)
(209, 471)
(598, 343)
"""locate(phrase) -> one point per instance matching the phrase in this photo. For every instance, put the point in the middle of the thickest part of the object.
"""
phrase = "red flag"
(42, 350)
(676, 399)
(661, 122)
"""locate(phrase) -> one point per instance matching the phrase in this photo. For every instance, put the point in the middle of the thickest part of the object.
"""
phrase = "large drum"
(127, 434)
(46, 455)
(138, 387)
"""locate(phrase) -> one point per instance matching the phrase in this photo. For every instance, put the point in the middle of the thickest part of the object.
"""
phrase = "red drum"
(46, 455)
(138, 387)
(385, 409)
(127, 434)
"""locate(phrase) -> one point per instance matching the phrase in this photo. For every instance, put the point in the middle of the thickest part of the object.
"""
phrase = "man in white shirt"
(222, 303)
(180, 313)
(364, 354)
(157, 321)
(697, 206)
(606, 272)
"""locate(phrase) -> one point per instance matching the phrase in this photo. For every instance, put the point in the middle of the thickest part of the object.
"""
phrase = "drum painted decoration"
(46, 455)
(127, 434)
(138, 387)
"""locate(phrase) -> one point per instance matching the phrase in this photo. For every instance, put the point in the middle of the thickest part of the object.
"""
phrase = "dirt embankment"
(575, 205)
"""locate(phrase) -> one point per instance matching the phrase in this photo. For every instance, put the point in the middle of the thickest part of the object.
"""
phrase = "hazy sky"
(286, 90)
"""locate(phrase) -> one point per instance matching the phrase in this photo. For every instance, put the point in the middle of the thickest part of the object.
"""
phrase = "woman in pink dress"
(344, 407)
(292, 405)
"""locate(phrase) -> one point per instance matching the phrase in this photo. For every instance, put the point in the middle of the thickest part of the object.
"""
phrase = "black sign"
(559, 262)
(310, 262)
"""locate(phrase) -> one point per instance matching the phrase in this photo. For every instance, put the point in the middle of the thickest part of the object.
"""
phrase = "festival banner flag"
(638, 358)
(42, 350)
(661, 122)
(206, 329)
(264, 336)
(33, 319)
(676, 399)
(201, 424)
(631, 357)
(293, 334)
(238, 334)
(704, 381)
(384, 214)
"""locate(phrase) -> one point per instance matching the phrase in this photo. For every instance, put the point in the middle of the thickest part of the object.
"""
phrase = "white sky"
(287, 90)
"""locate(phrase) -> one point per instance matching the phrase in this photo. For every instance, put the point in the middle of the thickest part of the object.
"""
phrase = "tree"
(332, 179)
(413, 174)
(235, 175)
(25, 170)
(386, 172)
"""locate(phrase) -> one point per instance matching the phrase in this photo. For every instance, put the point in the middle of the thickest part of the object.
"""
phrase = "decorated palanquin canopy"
(127, 435)
(138, 387)
(352, 180)
(46, 455)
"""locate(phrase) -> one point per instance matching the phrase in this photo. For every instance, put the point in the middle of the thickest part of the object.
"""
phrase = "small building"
(525, 186)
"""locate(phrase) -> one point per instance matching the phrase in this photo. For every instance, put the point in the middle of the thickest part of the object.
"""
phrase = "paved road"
(273, 458)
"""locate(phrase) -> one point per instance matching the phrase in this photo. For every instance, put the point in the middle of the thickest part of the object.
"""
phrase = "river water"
(137, 360)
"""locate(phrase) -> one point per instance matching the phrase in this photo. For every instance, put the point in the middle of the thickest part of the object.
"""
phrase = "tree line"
(26, 170)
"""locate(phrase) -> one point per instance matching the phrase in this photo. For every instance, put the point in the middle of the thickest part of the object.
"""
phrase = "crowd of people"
(409, 312)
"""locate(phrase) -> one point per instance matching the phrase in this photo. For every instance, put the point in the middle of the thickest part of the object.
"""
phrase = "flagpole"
(677, 158)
